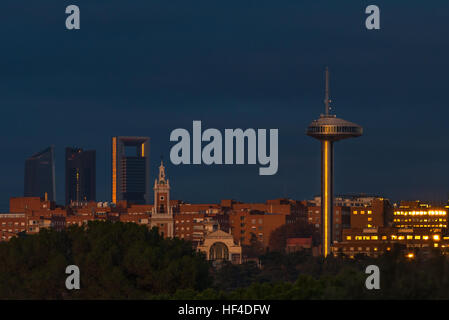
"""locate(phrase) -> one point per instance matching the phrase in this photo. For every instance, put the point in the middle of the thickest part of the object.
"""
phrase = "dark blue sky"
(147, 67)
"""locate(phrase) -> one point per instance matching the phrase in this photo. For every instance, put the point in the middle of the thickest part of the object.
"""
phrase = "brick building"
(248, 225)
(378, 213)
(341, 219)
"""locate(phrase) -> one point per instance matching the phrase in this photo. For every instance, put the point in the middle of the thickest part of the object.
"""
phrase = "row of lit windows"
(182, 221)
(421, 213)
(362, 212)
(394, 237)
(423, 226)
(419, 220)
(410, 255)
(15, 223)
(360, 249)
(12, 230)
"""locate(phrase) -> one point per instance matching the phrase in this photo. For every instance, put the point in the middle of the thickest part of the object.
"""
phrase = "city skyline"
(387, 82)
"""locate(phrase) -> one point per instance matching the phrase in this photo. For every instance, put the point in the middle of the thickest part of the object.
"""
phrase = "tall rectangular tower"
(80, 175)
(131, 169)
(40, 175)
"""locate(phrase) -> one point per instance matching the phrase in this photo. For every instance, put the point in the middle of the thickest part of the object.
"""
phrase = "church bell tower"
(162, 216)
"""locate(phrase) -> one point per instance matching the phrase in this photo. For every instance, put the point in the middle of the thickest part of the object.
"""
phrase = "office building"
(131, 170)
(40, 175)
(80, 175)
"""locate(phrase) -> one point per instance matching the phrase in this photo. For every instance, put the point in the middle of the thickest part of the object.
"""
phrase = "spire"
(161, 171)
(326, 97)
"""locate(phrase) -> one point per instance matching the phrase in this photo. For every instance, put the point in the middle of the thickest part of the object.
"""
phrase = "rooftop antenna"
(326, 97)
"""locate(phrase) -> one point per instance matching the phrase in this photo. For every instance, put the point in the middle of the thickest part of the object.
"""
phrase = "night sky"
(148, 67)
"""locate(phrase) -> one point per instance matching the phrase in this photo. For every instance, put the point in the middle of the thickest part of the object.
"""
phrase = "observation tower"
(328, 129)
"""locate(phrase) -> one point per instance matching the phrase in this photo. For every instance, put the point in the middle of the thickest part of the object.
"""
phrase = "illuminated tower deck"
(328, 129)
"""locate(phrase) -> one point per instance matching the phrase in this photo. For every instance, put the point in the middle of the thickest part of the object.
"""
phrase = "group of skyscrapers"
(130, 172)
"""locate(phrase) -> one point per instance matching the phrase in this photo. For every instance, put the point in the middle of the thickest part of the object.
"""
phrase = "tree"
(116, 261)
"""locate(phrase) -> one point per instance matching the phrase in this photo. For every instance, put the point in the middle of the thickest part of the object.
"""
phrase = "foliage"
(116, 261)
(127, 261)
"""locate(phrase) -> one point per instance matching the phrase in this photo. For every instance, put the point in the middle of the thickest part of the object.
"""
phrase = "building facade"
(131, 169)
(80, 175)
(341, 220)
(220, 246)
(40, 175)
(162, 216)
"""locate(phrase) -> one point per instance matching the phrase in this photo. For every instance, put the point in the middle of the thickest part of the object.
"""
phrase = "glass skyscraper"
(131, 169)
(80, 175)
(40, 175)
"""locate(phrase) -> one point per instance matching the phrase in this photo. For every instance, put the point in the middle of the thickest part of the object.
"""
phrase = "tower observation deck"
(328, 129)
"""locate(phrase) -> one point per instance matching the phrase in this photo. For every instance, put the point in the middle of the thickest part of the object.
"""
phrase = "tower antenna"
(326, 97)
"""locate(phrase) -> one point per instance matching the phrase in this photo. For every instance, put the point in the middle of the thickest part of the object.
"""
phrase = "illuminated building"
(80, 175)
(40, 175)
(328, 129)
(131, 169)
(420, 215)
(376, 241)
(375, 214)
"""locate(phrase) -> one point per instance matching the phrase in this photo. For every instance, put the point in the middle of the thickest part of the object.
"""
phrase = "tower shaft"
(329, 129)
(327, 194)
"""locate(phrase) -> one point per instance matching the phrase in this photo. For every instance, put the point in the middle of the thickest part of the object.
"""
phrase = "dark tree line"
(302, 276)
(128, 261)
(116, 261)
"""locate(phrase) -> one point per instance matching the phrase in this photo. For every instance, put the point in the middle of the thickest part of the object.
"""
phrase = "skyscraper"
(40, 175)
(131, 169)
(328, 129)
(80, 175)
